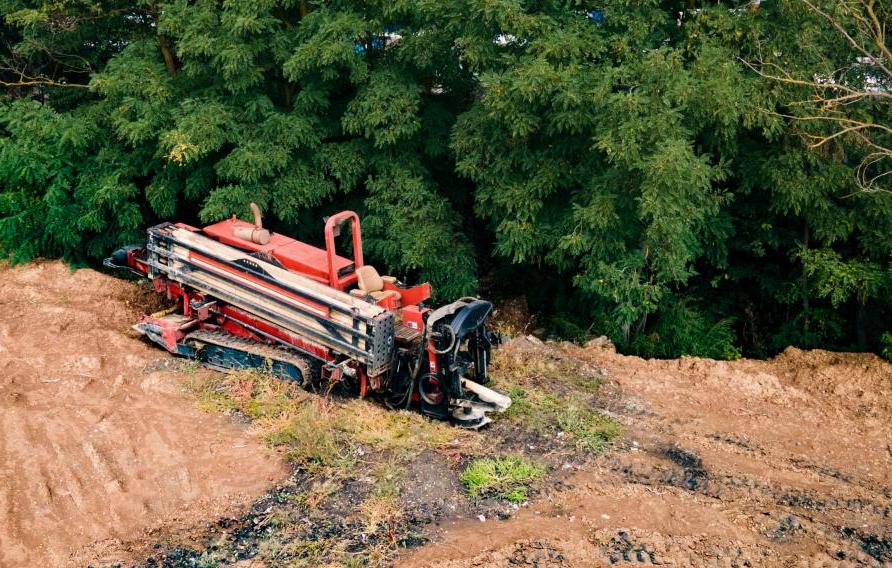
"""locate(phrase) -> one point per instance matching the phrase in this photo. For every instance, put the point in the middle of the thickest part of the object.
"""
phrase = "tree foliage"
(625, 164)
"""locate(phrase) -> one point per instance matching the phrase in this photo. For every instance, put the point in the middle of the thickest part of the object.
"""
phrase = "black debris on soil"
(431, 492)
(821, 469)
(231, 540)
(802, 501)
(786, 529)
(877, 547)
(695, 477)
(536, 553)
(682, 469)
(621, 549)
(176, 558)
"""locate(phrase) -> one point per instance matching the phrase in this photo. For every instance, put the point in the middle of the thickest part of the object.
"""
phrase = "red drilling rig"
(249, 298)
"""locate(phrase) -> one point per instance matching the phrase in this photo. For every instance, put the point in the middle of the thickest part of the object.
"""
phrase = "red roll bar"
(331, 225)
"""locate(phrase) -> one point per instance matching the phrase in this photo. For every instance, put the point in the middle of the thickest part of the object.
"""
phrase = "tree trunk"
(806, 298)
(860, 324)
(289, 89)
(167, 53)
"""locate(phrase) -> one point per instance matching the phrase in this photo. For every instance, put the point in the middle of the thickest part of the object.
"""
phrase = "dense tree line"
(666, 172)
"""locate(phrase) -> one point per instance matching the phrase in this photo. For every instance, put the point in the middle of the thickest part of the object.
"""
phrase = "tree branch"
(834, 94)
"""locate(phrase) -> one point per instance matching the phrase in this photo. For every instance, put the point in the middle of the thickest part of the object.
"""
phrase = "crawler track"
(235, 353)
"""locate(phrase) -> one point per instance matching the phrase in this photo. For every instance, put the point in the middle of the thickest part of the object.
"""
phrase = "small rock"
(482, 518)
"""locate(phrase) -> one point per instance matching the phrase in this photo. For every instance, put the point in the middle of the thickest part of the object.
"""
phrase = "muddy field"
(106, 462)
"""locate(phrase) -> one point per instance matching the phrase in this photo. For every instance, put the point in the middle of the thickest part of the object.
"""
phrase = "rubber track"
(266, 351)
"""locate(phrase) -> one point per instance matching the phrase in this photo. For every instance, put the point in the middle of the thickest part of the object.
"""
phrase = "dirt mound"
(97, 447)
(786, 462)
(860, 382)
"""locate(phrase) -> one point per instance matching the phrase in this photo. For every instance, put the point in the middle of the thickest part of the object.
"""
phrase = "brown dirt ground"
(98, 448)
(786, 462)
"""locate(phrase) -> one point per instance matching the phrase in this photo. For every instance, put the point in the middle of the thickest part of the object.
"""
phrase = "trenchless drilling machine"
(246, 298)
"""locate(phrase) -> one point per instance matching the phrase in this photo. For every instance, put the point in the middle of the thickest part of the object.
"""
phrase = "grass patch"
(309, 437)
(590, 430)
(285, 416)
(551, 394)
(256, 394)
(388, 476)
(543, 368)
(533, 409)
(542, 413)
(406, 433)
(311, 427)
(506, 477)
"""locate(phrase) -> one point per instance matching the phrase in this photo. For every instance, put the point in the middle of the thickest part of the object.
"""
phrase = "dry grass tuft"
(381, 514)
(542, 367)
(294, 553)
(406, 433)
(256, 394)
(309, 437)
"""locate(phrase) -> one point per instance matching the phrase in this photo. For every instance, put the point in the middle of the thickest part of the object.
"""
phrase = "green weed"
(886, 341)
(590, 430)
(506, 477)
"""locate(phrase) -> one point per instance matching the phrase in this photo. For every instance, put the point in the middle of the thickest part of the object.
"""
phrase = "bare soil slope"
(95, 446)
(785, 462)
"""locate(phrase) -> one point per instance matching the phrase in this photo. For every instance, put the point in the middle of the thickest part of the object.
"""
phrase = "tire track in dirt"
(95, 451)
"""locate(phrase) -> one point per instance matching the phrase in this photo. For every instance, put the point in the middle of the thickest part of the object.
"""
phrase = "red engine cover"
(294, 255)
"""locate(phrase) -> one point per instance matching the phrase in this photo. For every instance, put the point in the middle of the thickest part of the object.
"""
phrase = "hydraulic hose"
(424, 396)
(451, 343)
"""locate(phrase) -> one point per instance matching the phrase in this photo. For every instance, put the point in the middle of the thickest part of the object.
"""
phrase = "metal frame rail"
(368, 339)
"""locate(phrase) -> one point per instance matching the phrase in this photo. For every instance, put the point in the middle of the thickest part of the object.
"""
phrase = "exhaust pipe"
(256, 234)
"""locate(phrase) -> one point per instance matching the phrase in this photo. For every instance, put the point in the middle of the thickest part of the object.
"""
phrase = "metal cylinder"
(253, 234)
(258, 222)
